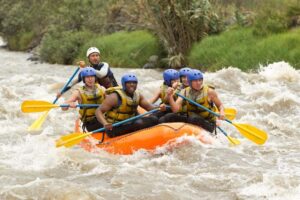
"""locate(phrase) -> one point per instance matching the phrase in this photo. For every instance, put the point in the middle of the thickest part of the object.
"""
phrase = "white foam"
(280, 71)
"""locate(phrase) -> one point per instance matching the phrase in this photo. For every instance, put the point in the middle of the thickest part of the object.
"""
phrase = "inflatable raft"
(148, 139)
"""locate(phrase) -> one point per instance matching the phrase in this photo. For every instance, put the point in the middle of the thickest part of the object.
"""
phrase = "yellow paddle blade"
(36, 106)
(233, 141)
(71, 139)
(230, 113)
(252, 133)
(36, 125)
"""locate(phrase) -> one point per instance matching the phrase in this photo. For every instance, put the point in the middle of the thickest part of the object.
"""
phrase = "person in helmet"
(200, 93)
(90, 93)
(121, 104)
(183, 76)
(104, 75)
(171, 79)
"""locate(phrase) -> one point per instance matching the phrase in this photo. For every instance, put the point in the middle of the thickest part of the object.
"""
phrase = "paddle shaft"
(66, 85)
(232, 140)
(222, 131)
(199, 105)
(68, 142)
(252, 133)
(127, 120)
(81, 105)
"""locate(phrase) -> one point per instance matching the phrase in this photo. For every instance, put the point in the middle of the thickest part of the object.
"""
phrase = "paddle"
(30, 106)
(75, 138)
(36, 125)
(230, 113)
(252, 133)
(232, 140)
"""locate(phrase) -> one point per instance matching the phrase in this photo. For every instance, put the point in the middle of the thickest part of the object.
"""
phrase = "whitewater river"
(31, 167)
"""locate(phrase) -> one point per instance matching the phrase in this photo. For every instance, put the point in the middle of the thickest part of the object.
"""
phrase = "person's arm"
(109, 102)
(175, 105)
(103, 72)
(155, 97)
(213, 96)
(74, 82)
(71, 101)
(145, 104)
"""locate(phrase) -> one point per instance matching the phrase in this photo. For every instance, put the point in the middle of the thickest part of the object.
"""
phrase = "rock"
(152, 62)
(148, 66)
(153, 59)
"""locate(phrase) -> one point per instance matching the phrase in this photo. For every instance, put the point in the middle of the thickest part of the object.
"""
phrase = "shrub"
(62, 47)
(125, 49)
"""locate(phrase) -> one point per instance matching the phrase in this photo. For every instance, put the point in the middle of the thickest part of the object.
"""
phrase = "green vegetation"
(240, 48)
(63, 46)
(180, 32)
(125, 49)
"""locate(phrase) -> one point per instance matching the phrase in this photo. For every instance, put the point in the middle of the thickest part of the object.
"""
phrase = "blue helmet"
(184, 71)
(130, 77)
(87, 71)
(169, 75)
(194, 74)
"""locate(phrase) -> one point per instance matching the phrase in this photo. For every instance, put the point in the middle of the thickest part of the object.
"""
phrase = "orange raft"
(148, 139)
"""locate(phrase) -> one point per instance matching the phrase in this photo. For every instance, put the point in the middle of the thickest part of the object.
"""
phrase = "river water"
(31, 167)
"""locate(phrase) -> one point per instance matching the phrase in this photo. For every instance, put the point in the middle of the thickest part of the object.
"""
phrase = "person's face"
(174, 83)
(94, 58)
(197, 84)
(131, 87)
(185, 81)
(90, 80)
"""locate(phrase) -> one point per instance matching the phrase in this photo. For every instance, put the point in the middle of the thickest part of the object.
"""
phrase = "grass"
(125, 49)
(240, 48)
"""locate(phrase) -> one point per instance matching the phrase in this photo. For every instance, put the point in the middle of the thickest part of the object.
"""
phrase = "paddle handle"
(127, 120)
(66, 85)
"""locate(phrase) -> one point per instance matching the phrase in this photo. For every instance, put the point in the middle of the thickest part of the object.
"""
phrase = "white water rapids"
(32, 168)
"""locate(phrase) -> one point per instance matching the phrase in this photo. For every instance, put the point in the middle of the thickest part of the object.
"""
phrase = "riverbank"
(237, 47)
(156, 35)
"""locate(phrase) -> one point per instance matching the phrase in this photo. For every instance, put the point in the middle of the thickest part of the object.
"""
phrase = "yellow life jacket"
(110, 90)
(163, 92)
(90, 97)
(183, 108)
(127, 107)
(201, 97)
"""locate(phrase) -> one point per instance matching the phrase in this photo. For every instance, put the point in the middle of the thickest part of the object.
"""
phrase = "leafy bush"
(21, 41)
(270, 22)
(62, 47)
(180, 23)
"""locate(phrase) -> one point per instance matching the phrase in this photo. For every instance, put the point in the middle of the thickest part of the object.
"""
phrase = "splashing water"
(32, 168)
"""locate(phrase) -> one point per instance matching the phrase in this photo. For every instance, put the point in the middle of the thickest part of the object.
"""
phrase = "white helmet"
(92, 50)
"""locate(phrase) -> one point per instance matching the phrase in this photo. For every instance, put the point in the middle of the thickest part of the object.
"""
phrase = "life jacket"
(90, 97)
(127, 106)
(183, 109)
(201, 97)
(163, 92)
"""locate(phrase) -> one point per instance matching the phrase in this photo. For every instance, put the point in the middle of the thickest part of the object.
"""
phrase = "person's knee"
(199, 121)
(138, 122)
(162, 120)
(153, 119)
